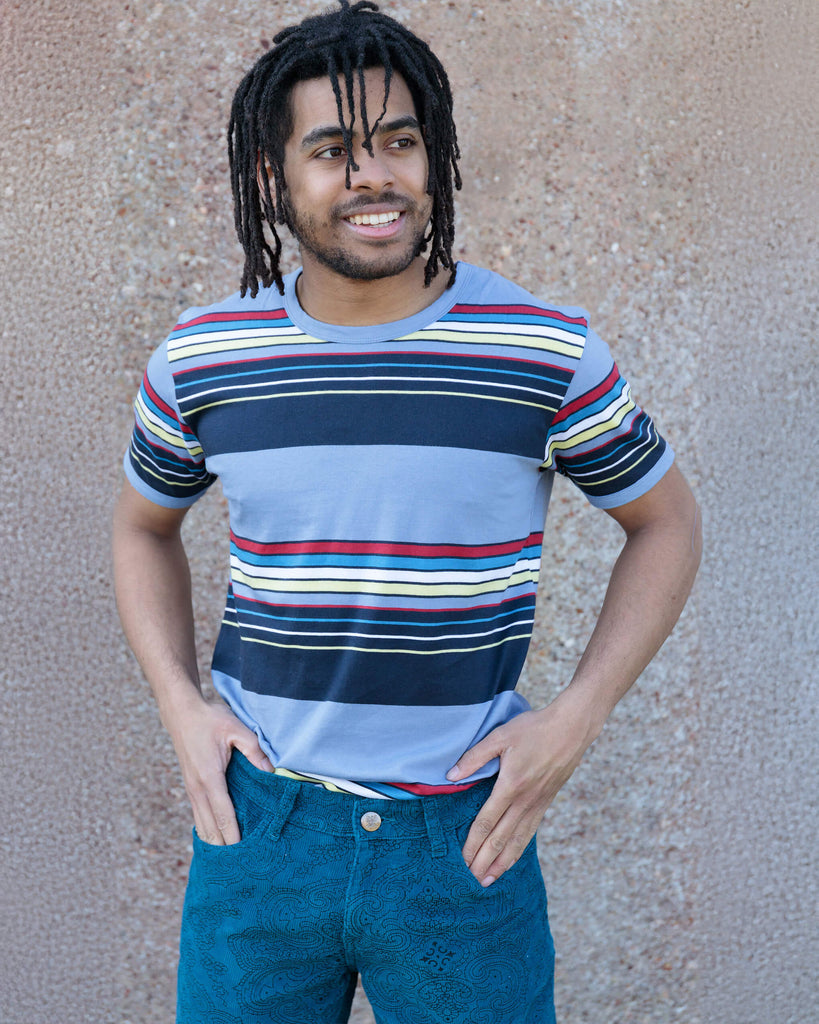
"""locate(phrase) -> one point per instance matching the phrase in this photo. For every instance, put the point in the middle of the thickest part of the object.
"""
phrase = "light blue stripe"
(417, 564)
(247, 613)
(228, 326)
(512, 319)
(347, 371)
(368, 741)
(305, 599)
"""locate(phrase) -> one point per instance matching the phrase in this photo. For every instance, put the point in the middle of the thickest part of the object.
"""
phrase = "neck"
(333, 299)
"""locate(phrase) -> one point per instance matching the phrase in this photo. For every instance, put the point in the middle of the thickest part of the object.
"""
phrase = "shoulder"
(266, 304)
(486, 288)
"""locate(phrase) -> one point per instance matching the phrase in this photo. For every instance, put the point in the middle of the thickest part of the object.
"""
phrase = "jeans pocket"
(522, 866)
(252, 818)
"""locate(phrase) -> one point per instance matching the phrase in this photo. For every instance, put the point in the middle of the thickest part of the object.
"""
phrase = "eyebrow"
(325, 133)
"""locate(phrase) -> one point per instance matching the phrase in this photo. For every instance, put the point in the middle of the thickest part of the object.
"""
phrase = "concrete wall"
(652, 161)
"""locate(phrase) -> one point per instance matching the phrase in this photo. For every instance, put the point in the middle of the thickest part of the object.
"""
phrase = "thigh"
(448, 950)
(261, 929)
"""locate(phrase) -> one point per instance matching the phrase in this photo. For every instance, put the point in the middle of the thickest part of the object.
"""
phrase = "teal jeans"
(325, 886)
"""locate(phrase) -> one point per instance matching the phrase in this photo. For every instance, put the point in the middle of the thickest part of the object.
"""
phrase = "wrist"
(586, 706)
(178, 706)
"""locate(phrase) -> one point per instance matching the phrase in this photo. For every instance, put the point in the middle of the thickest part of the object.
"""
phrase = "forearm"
(647, 591)
(539, 750)
(153, 591)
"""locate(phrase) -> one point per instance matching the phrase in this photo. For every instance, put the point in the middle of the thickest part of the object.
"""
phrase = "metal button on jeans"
(371, 821)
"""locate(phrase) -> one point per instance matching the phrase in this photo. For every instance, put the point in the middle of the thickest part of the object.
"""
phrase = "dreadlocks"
(339, 44)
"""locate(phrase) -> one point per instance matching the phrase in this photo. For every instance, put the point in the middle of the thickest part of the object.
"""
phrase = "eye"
(330, 152)
(404, 142)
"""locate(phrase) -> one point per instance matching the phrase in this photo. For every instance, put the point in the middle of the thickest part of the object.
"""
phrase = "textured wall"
(652, 161)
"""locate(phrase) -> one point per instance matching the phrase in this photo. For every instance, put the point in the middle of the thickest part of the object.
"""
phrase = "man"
(385, 426)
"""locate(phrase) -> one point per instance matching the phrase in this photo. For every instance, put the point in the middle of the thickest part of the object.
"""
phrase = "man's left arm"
(539, 750)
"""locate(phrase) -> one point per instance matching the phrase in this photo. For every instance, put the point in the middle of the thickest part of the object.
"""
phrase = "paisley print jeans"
(324, 886)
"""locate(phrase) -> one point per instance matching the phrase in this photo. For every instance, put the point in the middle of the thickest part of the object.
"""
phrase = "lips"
(373, 218)
(376, 222)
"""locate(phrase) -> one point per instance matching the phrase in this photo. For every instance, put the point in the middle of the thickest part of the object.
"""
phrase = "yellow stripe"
(467, 338)
(365, 393)
(370, 587)
(183, 350)
(587, 435)
(631, 466)
(174, 440)
(162, 479)
(307, 778)
(383, 650)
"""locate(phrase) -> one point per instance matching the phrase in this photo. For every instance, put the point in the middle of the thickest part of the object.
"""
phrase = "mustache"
(361, 203)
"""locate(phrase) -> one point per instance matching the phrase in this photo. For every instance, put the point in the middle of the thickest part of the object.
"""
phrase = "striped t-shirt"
(387, 489)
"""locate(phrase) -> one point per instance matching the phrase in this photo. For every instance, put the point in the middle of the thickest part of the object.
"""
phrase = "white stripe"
(349, 379)
(417, 591)
(331, 573)
(392, 636)
(159, 428)
(547, 331)
(608, 413)
(628, 457)
(245, 334)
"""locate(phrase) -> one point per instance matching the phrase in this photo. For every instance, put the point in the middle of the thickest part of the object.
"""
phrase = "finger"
(205, 825)
(476, 757)
(224, 814)
(213, 812)
(501, 849)
(254, 753)
(485, 823)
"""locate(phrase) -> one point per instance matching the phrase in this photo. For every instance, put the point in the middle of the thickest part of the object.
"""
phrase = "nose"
(373, 174)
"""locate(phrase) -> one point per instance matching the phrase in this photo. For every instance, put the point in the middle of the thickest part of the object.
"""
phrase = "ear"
(260, 176)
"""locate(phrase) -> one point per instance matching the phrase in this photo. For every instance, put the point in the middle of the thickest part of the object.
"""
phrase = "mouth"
(373, 218)
(376, 224)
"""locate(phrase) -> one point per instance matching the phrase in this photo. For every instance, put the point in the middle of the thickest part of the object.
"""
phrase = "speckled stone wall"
(654, 162)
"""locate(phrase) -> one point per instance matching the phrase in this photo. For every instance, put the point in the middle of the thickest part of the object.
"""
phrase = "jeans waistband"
(341, 814)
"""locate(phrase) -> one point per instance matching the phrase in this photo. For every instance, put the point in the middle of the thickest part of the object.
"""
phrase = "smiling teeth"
(374, 218)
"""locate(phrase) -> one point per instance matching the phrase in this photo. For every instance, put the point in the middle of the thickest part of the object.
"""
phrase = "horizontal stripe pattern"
(603, 440)
(430, 605)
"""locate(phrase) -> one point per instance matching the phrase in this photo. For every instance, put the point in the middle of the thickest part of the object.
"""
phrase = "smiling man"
(386, 426)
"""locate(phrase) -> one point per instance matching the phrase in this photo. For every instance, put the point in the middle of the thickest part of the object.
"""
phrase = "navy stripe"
(345, 677)
(620, 462)
(451, 421)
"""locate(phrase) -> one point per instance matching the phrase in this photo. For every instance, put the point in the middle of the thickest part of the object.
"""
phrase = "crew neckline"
(370, 334)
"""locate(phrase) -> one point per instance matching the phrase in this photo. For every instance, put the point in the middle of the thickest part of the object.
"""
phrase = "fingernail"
(453, 774)
(486, 882)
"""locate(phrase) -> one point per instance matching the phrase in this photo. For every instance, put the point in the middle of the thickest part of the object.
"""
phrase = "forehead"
(313, 102)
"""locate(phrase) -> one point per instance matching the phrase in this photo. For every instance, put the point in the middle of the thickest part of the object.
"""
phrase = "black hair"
(340, 43)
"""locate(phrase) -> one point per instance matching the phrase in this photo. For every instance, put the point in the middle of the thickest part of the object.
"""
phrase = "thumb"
(476, 757)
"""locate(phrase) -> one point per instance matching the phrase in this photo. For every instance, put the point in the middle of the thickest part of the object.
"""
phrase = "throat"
(344, 302)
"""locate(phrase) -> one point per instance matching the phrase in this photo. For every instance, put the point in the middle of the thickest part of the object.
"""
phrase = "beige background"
(653, 161)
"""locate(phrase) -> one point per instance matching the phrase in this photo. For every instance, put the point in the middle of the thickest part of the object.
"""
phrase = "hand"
(538, 751)
(204, 741)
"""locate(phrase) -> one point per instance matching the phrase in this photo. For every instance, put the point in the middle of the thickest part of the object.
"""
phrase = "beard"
(313, 237)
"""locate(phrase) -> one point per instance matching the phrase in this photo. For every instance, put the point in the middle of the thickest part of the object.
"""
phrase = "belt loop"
(289, 791)
(433, 823)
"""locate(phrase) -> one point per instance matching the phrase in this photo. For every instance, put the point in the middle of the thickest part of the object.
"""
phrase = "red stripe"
(369, 548)
(376, 608)
(552, 314)
(330, 358)
(422, 789)
(149, 391)
(590, 397)
(218, 318)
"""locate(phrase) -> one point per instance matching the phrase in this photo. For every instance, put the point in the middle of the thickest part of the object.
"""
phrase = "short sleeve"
(601, 438)
(165, 461)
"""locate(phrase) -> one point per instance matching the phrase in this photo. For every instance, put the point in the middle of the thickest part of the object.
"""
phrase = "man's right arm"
(153, 589)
